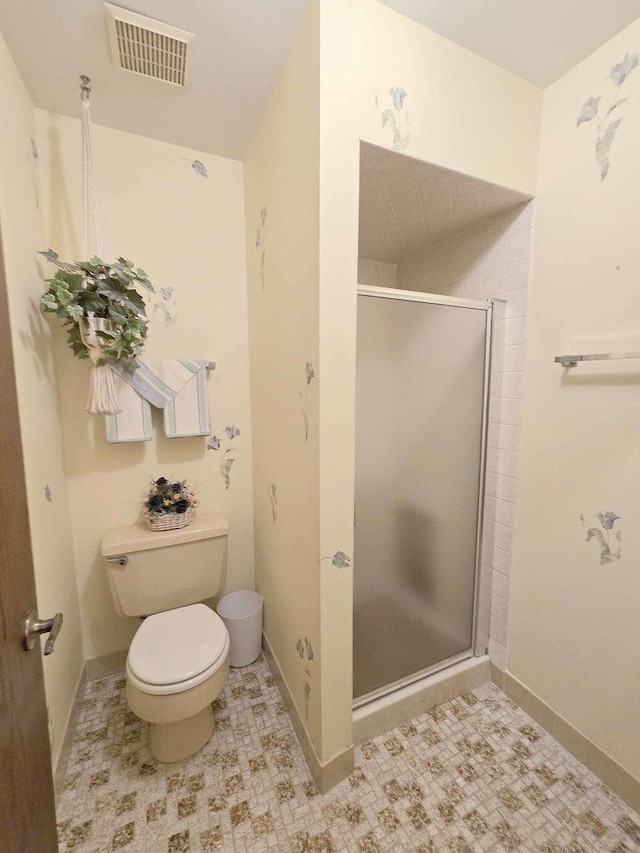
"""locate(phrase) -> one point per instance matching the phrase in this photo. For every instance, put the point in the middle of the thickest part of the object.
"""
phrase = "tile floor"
(474, 774)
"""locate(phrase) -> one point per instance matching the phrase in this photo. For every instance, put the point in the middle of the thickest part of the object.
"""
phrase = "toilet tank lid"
(207, 524)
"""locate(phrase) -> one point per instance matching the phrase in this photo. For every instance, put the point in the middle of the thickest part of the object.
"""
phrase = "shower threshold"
(390, 706)
(393, 686)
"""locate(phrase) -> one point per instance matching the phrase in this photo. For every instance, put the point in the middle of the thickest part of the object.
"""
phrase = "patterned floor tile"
(475, 774)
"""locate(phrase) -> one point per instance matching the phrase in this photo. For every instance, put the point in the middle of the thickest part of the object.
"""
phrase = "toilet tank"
(168, 568)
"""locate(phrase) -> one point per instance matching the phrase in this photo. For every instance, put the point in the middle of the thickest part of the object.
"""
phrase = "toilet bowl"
(177, 665)
(178, 660)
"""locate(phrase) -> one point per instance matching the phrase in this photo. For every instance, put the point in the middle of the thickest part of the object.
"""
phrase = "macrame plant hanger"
(102, 392)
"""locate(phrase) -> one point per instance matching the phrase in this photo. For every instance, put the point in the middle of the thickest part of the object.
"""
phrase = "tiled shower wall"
(491, 259)
(376, 273)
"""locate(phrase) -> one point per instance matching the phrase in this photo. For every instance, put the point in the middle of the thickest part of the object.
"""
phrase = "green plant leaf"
(75, 312)
(117, 316)
(61, 293)
(95, 266)
(137, 300)
(72, 280)
(48, 302)
(50, 255)
(90, 301)
(120, 298)
(75, 342)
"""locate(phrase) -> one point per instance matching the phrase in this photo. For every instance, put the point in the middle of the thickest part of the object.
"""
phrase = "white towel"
(188, 413)
(134, 421)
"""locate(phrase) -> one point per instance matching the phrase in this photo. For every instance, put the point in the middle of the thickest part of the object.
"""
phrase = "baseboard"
(325, 775)
(106, 665)
(95, 668)
(381, 715)
(497, 676)
(621, 782)
(60, 770)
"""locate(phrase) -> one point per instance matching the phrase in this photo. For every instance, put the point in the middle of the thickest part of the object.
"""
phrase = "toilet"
(178, 660)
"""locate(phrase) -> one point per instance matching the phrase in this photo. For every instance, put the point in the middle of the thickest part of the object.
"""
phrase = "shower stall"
(423, 365)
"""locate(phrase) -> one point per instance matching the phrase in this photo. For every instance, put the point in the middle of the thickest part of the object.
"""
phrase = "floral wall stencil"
(166, 303)
(606, 117)
(260, 242)
(226, 459)
(305, 653)
(273, 497)
(199, 168)
(397, 118)
(603, 534)
(304, 396)
(33, 162)
(340, 560)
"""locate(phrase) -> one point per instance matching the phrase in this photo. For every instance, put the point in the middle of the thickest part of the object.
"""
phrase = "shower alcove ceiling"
(429, 229)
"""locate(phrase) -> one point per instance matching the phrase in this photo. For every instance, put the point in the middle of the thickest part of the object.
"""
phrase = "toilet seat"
(177, 649)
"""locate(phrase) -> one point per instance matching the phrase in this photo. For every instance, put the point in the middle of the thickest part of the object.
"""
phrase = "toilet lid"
(177, 645)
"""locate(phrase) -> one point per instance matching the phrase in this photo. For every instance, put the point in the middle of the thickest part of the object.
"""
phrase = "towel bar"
(572, 360)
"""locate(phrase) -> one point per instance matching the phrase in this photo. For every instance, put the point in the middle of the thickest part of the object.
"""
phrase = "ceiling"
(539, 40)
(240, 46)
(407, 205)
(237, 52)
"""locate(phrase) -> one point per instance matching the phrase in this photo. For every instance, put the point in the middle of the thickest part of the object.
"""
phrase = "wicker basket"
(169, 520)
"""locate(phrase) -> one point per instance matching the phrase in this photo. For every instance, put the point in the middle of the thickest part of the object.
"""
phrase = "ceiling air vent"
(147, 47)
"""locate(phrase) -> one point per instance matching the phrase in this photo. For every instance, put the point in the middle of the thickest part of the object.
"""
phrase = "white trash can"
(241, 612)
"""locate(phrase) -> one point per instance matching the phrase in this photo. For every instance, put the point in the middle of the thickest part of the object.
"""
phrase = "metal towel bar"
(572, 360)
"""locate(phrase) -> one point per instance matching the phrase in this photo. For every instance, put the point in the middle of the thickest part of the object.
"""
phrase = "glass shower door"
(419, 427)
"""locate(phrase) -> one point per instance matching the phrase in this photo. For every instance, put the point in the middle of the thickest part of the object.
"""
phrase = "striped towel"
(177, 386)
(133, 423)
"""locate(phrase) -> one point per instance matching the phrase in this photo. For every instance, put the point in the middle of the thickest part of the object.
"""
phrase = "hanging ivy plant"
(84, 290)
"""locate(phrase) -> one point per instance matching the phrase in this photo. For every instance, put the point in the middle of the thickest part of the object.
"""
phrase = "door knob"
(32, 626)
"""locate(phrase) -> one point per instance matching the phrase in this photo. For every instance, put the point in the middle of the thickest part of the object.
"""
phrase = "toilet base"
(171, 742)
(181, 723)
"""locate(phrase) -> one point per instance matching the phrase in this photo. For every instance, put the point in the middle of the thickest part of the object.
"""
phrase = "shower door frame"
(480, 616)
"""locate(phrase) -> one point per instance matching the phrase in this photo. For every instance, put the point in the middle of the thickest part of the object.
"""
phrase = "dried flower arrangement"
(168, 505)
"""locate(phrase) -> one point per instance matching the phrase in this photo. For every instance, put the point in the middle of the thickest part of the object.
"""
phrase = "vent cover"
(147, 47)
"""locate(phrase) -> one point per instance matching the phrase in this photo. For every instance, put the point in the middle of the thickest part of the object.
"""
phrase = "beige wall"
(22, 227)
(491, 259)
(574, 626)
(281, 177)
(187, 232)
(460, 112)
